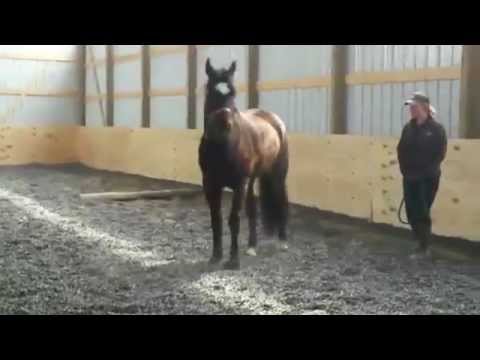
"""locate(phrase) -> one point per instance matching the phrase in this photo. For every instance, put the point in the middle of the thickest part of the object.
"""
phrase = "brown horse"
(236, 149)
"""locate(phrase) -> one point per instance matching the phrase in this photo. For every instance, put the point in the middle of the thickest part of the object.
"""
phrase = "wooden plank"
(389, 77)
(305, 83)
(182, 91)
(96, 63)
(156, 51)
(136, 94)
(46, 145)
(367, 185)
(121, 59)
(139, 195)
(91, 98)
(128, 95)
(61, 94)
(37, 57)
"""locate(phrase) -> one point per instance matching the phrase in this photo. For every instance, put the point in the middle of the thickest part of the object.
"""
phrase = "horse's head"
(220, 87)
(220, 102)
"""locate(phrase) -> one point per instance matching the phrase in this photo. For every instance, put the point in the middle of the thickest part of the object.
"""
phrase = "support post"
(82, 73)
(146, 86)
(110, 85)
(253, 75)
(469, 127)
(339, 89)
(192, 86)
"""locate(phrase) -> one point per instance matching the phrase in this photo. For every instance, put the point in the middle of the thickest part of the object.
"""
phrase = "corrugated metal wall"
(128, 86)
(378, 109)
(222, 56)
(39, 85)
(96, 86)
(304, 110)
(286, 74)
(169, 80)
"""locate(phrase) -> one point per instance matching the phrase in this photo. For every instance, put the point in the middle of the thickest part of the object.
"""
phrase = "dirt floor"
(62, 255)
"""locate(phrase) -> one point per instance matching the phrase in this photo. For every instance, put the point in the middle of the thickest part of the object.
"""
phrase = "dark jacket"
(422, 149)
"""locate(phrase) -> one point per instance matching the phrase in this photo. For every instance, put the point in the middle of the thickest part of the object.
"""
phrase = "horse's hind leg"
(234, 222)
(283, 209)
(252, 218)
(214, 198)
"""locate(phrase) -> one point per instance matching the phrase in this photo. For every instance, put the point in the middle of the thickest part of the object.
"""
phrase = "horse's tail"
(273, 193)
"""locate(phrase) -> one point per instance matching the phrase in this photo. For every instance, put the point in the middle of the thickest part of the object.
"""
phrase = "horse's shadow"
(192, 271)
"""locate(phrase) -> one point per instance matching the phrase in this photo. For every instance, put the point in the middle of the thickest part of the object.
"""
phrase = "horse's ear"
(209, 68)
(233, 68)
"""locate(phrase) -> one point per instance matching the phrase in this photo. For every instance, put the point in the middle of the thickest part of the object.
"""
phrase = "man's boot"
(422, 233)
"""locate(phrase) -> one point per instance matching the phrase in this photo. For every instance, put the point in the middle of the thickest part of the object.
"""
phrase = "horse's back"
(269, 133)
(260, 116)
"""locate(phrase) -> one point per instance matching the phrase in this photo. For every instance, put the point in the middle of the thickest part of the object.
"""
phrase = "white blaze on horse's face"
(222, 88)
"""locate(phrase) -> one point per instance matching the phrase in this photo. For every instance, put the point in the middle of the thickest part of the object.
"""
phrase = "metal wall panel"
(128, 80)
(169, 73)
(378, 109)
(222, 56)
(43, 70)
(96, 86)
(303, 110)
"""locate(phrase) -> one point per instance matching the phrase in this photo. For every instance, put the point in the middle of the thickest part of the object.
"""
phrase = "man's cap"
(418, 97)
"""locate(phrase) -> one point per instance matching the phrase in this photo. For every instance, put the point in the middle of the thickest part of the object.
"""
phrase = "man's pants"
(419, 198)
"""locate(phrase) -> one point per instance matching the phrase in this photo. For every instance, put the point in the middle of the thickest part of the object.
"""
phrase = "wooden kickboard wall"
(351, 175)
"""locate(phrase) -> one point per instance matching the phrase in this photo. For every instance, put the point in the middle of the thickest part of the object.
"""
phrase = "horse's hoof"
(232, 265)
(251, 252)
(215, 260)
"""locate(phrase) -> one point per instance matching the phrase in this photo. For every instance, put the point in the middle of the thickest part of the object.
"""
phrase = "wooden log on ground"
(142, 195)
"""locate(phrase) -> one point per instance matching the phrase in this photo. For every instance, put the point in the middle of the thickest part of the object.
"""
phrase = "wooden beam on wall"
(192, 86)
(39, 93)
(182, 91)
(82, 73)
(338, 116)
(110, 85)
(470, 93)
(253, 75)
(163, 51)
(404, 76)
(303, 83)
(37, 57)
(146, 85)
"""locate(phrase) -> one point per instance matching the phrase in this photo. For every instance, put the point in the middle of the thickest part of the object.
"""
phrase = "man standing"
(422, 149)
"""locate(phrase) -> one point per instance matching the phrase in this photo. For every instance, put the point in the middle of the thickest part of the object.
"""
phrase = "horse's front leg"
(234, 222)
(214, 198)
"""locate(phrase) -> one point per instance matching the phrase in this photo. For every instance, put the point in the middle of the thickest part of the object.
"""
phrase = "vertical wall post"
(82, 73)
(146, 85)
(253, 75)
(469, 127)
(338, 109)
(192, 86)
(110, 85)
